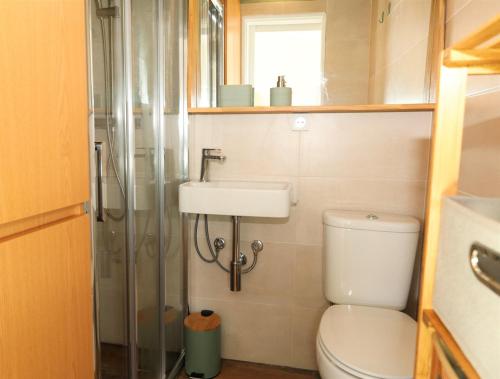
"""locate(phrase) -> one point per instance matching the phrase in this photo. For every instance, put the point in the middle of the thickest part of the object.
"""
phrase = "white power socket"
(299, 123)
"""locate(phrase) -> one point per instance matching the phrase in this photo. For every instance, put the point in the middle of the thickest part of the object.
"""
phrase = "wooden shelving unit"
(477, 54)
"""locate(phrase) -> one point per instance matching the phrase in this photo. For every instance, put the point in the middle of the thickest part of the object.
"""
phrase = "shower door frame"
(125, 16)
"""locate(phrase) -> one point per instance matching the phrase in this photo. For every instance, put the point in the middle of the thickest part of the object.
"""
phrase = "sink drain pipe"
(238, 260)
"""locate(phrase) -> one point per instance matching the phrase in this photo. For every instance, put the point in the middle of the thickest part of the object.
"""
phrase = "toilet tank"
(368, 258)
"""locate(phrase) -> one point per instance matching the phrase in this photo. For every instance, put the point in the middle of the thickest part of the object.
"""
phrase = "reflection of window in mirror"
(292, 46)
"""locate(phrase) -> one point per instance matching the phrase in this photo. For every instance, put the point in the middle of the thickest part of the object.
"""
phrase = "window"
(291, 45)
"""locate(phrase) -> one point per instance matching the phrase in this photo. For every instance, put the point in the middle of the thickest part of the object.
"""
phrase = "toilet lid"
(373, 341)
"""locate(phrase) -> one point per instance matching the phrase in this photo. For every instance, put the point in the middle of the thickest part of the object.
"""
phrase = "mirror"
(331, 52)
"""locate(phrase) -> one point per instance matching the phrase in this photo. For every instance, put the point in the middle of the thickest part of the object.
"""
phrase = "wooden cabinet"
(476, 54)
(43, 107)
(45, 313)
(45, 256)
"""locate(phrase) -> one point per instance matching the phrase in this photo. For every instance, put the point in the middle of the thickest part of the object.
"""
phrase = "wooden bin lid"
(202, 323)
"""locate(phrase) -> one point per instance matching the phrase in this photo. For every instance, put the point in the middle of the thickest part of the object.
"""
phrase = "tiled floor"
(246, 370)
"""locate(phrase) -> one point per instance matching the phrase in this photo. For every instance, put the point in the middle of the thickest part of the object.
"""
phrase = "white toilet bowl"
(365, 342)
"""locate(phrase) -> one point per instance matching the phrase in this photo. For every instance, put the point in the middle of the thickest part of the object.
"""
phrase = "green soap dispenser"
(281, 95)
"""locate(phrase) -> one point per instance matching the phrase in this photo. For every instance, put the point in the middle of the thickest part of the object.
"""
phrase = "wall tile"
(307, 277)
(246, 337)
(305, 323)
(388, 146)
(269, 283)
(454, 6)
(274, 230)
(470, 17)
(260, 145)
(320, 194)
(403, 32)
(479, 172)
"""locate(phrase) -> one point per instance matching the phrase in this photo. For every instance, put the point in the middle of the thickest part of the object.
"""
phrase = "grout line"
(484, 91)
(460, 9)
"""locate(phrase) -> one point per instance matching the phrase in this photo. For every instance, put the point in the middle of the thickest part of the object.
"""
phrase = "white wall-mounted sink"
(236, 198)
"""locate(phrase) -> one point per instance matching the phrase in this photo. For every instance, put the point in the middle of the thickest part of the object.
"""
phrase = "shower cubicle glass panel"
(138, 123)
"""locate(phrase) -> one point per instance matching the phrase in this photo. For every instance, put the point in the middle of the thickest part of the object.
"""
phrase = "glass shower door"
(139, 117)
(174, 137)
(146, 91)
(109, 192)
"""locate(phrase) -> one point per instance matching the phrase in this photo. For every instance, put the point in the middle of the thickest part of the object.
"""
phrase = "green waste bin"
(202, 336)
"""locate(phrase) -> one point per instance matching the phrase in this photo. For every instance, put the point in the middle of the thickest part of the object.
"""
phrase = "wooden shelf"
(479, 52)
(317, 109)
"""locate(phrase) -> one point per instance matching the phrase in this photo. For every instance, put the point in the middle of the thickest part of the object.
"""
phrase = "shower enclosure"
(138, 124)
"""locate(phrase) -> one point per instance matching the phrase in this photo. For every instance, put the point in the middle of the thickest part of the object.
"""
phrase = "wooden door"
(45, 256)
(43, 107)
(45, 312)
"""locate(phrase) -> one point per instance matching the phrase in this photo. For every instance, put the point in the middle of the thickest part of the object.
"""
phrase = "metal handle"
(100, 208)
(485, 264)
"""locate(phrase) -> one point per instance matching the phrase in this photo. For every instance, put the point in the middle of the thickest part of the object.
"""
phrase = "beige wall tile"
(454, 6)
(269, 283)
(414, 29)
(389, 146)
(480, 166)
(274, 230)
(307, 277)
(320, 194)
(480, 172)
(244, 335)
(305, 323)
(469, 18)
(404, 33)
(257, 145)
(409, 87)
(348, 19)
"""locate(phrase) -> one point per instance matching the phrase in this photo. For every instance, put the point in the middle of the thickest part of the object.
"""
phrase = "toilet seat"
(368, 342)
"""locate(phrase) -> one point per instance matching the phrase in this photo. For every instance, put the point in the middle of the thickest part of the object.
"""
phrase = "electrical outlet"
(299, 123)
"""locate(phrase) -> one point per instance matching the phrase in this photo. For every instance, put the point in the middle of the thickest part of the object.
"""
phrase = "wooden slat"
(439, 359)
(44, 163)
(482, 35)
(317, 109)
(46, 303)
(472, 57)
(432, 320)
(232, 42)
(443, 181)
(492, 69)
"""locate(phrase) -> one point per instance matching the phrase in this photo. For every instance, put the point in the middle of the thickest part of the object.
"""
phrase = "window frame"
(253, 24)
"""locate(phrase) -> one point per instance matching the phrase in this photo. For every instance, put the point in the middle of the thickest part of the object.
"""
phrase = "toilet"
(367, 269)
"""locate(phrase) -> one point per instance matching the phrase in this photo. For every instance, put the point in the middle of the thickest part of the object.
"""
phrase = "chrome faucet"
(206, 155)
